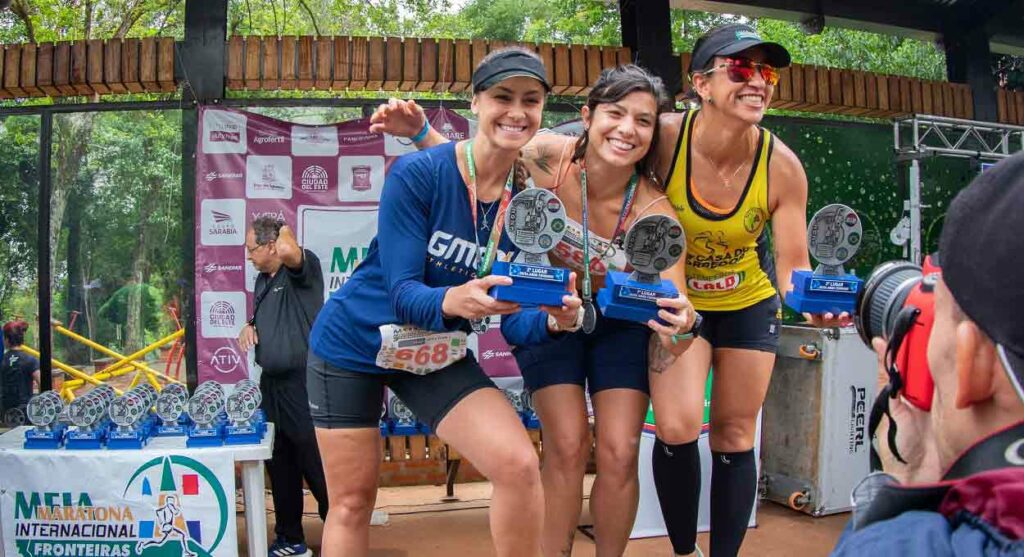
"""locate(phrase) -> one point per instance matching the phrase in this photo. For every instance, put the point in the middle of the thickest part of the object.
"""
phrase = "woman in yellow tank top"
(728, 178)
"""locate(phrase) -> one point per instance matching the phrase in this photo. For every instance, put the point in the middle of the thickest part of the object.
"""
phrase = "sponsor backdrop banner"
(325, 182)
(131, 503)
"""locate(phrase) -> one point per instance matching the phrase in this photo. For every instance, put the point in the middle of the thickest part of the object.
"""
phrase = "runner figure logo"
(184, 495)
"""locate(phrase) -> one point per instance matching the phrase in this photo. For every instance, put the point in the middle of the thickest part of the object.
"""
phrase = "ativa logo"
(225, 360)
(211, 176)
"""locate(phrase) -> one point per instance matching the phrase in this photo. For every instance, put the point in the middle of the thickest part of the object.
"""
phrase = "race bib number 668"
(415, 350)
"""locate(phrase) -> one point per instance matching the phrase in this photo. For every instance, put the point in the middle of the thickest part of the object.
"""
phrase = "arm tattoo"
(659, 358)
(541, 158)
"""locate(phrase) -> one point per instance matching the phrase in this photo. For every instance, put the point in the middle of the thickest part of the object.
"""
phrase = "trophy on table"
(535, 223)
(43, 411)
(170, 408)
(403, 421)
(653, 244)
(128, 413)
(530, 418)
(88, 413)
(243, 406)
(833, 236)
(205, 408)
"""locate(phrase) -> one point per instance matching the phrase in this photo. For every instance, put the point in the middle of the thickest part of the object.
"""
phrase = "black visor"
(506, 64)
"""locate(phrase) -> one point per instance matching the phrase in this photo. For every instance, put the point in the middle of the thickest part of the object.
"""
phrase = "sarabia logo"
(184, 494)
(225, 360)
(211, 176)
(222, 224)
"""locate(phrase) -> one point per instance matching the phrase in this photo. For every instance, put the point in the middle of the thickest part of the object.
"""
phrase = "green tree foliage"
(19, 151)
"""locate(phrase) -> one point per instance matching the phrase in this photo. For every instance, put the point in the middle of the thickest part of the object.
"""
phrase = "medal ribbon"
(486, 261)
(620, 226)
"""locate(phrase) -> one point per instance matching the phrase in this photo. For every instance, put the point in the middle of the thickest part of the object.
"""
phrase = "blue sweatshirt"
(424, 245)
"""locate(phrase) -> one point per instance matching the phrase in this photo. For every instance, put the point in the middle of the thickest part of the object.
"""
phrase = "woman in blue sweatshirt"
(614, 159)
(401, 320)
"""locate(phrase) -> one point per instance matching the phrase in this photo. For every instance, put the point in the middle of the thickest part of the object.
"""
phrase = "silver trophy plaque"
(653, 244)
(243, 402)
(834, 235)
(44, 408)
(535, 222)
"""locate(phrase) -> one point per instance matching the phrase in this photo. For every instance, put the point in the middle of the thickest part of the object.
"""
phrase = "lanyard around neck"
(620, 226)
(486, 261)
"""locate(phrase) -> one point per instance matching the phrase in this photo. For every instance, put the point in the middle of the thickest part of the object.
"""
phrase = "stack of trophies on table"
(101, 418)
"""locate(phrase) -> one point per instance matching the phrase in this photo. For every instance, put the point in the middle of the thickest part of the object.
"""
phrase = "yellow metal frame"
(123, 366)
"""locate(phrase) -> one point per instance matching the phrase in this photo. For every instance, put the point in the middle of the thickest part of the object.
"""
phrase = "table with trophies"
(212, 424)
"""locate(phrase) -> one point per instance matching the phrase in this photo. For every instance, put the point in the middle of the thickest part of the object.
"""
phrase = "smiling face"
(620, 132)
(746, 100)
(509, 112)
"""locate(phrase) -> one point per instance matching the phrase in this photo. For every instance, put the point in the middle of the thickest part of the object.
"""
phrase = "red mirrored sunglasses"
(741, 70)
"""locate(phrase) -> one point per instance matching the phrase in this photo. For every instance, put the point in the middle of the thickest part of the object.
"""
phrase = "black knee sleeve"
(677, 480)
(733, 486)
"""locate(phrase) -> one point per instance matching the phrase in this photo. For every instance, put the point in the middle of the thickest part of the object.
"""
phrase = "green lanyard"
(486, 261)
(620, 228)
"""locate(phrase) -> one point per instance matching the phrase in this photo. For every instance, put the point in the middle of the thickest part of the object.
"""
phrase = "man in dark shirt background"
(19, 374)
(288, 296)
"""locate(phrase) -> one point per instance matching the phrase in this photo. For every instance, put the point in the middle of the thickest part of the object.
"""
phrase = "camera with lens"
(898, 304)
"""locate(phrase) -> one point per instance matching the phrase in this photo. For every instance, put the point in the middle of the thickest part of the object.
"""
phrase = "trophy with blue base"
(88, 414)
(535, 223)
(205, 409)
(127, 412)
(43, 411)
(530, 418)
(520, 403)
(403, 421)
(242, 406)
(833, 236)
(170, 408)
(653, 244)
(149, 420)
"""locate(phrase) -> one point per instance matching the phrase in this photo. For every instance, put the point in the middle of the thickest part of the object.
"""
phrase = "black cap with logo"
(731, 39)
(981, 251)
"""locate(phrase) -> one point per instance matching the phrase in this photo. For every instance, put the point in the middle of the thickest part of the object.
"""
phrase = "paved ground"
(419, 525)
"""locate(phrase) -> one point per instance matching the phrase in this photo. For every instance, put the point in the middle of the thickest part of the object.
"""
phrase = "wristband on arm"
(423, 132)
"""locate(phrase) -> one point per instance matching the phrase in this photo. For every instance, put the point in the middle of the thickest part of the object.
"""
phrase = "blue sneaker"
(283, 548)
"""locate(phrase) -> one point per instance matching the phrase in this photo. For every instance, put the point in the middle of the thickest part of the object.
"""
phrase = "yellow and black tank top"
(729, 265)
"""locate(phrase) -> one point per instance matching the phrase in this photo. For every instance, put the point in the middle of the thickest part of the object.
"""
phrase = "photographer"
(954, 468)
